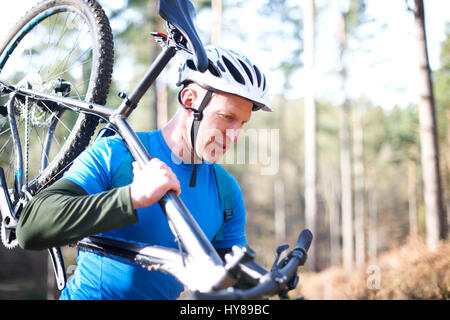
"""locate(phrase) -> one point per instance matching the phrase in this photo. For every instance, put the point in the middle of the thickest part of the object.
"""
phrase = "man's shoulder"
(225, 177)
(220, 169)
(116, 141)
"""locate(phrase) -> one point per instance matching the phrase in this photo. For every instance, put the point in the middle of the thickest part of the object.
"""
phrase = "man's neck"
(174, 135)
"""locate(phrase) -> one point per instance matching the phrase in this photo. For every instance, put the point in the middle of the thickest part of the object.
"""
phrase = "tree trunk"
(216, 33)
(335, 227)
(346, 174)
(51, 281)
(412, 199)
(162, 102)
(153, 53)
(310, 131)
(346, 189)
(358, 151)
(162, 96)
(373, 224)
(436, 221)
(280, 212)
(331, 191)
(447, 170)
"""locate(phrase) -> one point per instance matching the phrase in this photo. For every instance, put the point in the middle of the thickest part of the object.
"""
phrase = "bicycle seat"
(181, 13)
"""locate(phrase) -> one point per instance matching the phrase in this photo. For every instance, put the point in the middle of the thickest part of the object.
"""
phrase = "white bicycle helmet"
(229, 71)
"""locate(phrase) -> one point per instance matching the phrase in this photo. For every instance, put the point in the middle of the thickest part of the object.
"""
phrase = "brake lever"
(280, 250)
(292, 283)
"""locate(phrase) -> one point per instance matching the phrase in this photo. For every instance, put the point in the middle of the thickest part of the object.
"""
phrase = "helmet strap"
(198, 116)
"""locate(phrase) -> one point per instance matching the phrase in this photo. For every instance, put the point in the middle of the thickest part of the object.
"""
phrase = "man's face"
(223, 119)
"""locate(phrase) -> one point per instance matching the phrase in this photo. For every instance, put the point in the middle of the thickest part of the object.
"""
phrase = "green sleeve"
(64, 213)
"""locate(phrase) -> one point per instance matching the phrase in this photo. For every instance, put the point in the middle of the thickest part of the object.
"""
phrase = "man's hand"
(151, 183)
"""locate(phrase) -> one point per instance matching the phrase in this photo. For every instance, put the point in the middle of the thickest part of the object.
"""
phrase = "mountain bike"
(55, 73)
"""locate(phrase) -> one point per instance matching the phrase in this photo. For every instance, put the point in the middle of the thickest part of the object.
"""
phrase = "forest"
(357, 149)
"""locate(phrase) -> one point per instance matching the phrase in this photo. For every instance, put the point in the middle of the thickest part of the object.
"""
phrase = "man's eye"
(226, 116)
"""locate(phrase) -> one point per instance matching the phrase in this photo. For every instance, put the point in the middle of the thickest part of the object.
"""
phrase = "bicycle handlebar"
(271, 283)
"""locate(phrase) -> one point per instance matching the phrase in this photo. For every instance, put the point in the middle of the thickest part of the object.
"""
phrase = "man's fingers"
(136, 165)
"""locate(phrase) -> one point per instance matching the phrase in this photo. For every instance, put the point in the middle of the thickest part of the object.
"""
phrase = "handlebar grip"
(304, 240)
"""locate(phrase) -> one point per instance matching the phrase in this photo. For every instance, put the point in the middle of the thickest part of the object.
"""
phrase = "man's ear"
(187, 97)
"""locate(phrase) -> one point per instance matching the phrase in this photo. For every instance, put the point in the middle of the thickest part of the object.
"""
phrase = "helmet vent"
(258, 75)
(213, 69)
(234, 72)
(191, 65)
(247, 71)
(221, 67)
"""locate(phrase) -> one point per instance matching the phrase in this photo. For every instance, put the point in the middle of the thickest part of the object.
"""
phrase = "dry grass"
(409, 272)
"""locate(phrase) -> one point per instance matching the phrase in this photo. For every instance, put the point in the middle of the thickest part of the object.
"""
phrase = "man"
(102, 194)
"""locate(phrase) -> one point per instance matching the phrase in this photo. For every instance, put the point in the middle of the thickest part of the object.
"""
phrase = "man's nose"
(233, 134)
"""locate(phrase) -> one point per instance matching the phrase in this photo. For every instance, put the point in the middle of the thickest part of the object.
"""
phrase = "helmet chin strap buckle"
(198, 116)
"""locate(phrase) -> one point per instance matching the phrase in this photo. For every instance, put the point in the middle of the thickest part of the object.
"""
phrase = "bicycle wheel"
(61, 47)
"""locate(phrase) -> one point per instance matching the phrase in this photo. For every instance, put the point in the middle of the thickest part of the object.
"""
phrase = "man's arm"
(65, 213)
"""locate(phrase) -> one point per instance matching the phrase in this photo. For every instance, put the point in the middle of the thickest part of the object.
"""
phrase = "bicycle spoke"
(7, 141)
(55, 76)
(54, 114)
(48, 41)
(60, 37)
(10, 166)
(44, 151)
(75, 46)
(1, 133)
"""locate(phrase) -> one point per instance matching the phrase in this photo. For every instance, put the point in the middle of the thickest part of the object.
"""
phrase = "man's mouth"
(221, 147)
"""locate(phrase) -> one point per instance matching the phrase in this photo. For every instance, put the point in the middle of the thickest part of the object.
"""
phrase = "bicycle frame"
(201, 255)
